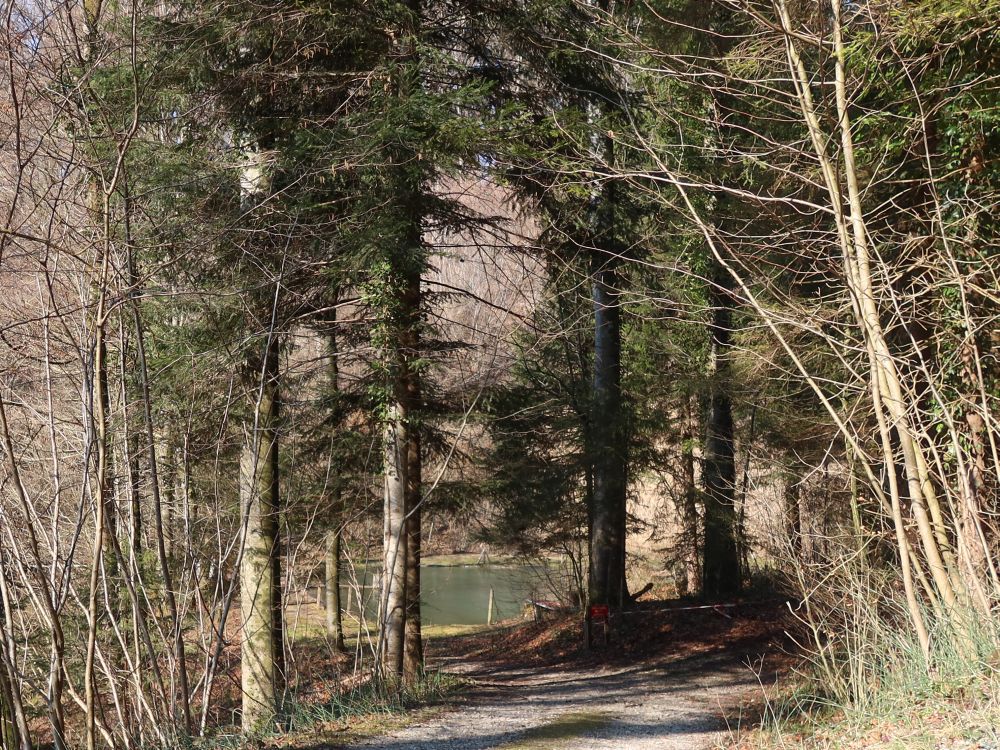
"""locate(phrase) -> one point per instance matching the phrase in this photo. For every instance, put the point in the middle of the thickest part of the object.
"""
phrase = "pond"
(460, 594)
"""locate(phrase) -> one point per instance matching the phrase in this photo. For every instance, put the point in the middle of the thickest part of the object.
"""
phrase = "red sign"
(599, 611)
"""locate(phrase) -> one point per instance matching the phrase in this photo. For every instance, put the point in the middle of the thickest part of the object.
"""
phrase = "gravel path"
(674, 705)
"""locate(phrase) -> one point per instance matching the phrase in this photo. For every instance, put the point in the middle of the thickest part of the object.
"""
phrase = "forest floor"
(674, 678)
(670, 680)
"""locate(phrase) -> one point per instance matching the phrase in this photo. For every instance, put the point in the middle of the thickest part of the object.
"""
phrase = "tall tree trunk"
(399, 338)
(393, 600)
(721, 557)
(334, 615)
(260, 572)
(413, 652)
(104, 499)
(608, 441)
(134, 450)
(167, 462)
(722, 573)
(407, 264)
(691, 554)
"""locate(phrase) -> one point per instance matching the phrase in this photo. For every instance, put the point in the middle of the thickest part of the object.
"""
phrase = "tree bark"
(14, 731)
(393, 619)
(721, 572)
(721, 565)
(691, 555)
(260, 571)
(608, 441)
(402, 454)
(334, 615)
(103, 501)
(10, 736)
(401, 637)
(413, 651)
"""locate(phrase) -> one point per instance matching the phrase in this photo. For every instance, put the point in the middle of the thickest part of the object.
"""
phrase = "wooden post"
(489, 609)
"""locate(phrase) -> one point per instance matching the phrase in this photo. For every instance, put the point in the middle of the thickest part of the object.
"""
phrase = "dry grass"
(967, 721)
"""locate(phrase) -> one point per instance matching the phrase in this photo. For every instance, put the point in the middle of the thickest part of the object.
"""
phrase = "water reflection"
(459, 594)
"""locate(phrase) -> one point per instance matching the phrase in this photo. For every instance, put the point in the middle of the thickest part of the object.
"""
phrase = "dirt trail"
(672, 704)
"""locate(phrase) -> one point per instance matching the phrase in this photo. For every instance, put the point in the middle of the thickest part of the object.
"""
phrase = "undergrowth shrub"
(861, 661)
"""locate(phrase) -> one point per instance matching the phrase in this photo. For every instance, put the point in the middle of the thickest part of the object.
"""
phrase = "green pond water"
(459, 594)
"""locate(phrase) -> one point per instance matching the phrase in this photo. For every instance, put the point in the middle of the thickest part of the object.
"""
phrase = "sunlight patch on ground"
(559, 733)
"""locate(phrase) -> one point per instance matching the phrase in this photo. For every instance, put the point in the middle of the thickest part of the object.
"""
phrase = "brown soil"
(654, 630)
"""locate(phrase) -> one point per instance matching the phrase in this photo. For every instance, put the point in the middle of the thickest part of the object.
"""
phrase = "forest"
(682, 305)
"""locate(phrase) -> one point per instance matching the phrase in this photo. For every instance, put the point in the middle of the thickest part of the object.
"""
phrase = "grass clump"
(370, 708)
(866, 682)
(374, 698)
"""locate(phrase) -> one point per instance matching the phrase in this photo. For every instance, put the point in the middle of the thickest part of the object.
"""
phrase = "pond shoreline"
(465, 590)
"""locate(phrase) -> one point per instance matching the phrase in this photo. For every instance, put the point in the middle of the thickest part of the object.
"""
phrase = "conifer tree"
(594, 225)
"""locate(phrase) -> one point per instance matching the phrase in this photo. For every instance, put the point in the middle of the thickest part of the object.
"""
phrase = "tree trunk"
(135, 501)
(14, 731)
(334, 615)
(167, 462)
(608, 441)
(413, 652)
(57, 641)
(691, 555)
(793, 515)
(393, 617)
(104, 500)
(10, 736)
(402, 657)
(260, 571)
(721, 552)
(402, 454)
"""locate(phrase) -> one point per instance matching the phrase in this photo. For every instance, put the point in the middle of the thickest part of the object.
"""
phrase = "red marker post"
(598, 614)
